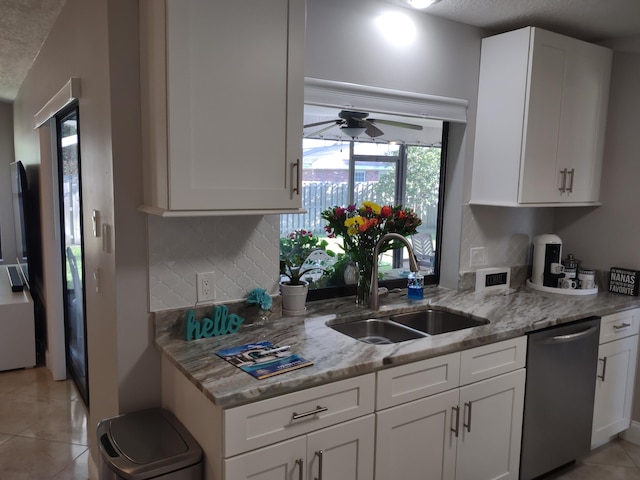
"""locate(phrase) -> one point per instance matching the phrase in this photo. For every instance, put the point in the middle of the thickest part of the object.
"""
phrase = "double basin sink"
(406, 326)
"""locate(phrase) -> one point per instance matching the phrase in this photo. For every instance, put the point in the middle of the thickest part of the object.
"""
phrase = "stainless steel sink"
(406, 326)
(435, 322)
(378, 331)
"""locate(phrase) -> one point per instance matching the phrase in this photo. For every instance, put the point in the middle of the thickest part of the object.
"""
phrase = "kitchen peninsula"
(221, 405)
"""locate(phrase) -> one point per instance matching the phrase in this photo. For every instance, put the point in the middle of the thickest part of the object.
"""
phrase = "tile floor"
(43, 435)
(617, 460)
(43, 428)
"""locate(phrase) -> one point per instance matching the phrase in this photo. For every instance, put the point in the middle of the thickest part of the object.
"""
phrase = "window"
(344, 171)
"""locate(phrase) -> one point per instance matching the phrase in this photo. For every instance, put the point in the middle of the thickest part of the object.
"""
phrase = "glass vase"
(363, 285)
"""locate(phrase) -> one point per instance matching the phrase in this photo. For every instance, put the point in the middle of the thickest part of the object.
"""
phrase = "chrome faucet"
(373, 296)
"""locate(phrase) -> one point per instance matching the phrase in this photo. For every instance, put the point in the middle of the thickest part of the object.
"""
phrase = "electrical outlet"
(478, 257)
(206, 286)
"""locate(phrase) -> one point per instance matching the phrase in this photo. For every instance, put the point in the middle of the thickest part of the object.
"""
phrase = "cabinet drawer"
(416, 380)
(619, 325)
(276, 419)
(488, 361)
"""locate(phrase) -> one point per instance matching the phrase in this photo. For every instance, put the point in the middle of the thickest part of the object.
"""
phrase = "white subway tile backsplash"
(242, 251)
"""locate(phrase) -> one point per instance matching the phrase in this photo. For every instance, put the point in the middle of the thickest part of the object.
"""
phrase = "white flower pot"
(294, 298)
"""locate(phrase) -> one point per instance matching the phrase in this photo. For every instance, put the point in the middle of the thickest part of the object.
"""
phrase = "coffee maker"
(547, 252)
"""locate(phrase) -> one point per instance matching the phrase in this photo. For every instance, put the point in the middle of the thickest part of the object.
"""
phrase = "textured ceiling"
(590, 20)
(24, 24)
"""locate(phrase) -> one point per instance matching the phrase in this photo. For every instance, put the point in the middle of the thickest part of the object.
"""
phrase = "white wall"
(96, 40)
(7, 230)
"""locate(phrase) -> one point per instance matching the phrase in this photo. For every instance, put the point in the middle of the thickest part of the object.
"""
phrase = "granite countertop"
(336, 356)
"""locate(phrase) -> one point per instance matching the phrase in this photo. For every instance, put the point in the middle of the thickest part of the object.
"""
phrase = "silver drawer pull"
(300, 464)
(318, 409)
(604, 368)
(319, 454)
(456, 430)
(619, 327)
(468, 424)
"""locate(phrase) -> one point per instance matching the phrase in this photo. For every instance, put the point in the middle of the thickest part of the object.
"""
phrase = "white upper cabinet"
(542, 107)
(222, 101)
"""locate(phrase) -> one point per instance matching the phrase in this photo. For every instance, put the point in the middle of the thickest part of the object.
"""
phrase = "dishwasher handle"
(570, 337)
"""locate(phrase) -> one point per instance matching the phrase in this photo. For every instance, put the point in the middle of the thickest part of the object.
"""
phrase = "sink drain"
(377, 340)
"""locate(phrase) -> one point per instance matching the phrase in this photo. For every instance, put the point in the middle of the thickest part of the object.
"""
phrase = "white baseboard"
(632, 434)
(93, 469)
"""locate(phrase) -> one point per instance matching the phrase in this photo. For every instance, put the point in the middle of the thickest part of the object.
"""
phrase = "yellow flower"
(375, 208)
(353, 224)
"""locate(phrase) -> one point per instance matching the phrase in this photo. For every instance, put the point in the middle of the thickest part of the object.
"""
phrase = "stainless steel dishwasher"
(559, 394)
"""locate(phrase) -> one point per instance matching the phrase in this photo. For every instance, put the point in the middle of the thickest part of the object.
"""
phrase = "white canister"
(586, 278)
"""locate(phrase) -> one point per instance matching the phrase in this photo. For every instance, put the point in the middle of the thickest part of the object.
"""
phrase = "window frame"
(325, 293)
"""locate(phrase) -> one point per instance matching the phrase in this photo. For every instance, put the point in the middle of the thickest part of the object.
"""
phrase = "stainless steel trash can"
(150, 444)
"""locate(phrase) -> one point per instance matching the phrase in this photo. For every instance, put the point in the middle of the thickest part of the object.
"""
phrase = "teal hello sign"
(222, 323)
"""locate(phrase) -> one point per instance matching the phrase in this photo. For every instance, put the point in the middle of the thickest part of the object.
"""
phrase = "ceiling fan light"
(353, 131)
(421, 4)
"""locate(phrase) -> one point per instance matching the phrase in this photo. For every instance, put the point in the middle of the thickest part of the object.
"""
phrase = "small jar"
(415, 285)
(571, 262)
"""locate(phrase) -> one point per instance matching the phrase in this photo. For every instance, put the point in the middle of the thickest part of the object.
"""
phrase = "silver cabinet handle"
(468, 424)
(570, 187)
(319, 454)
(300, 464)
(604, 368)
(456, 429)
(318, 409)
(295, 186)
(563, 188)
(619, 327)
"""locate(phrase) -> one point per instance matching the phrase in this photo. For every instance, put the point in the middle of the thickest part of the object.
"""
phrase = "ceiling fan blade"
(371, 129)
(322, 130)
(316, 124)
(396, 124)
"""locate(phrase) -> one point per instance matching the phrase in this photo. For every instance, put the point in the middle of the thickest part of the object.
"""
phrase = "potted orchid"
(295, 248)
(361, 228)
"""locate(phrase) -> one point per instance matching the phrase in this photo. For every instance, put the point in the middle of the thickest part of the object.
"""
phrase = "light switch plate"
(491, 279)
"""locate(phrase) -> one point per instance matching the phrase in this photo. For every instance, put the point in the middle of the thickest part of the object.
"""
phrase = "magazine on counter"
(263, 359)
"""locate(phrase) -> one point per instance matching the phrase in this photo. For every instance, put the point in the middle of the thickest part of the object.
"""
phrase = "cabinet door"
(491, 428)
(564, 131)
(417, 440)
(235, 88)
(343, 452)
(614, 388)
(282, 461)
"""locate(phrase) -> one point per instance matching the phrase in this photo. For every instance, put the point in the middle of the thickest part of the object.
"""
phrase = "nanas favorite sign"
(624, 281)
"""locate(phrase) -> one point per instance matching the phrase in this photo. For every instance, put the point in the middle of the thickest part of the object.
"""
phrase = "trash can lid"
(146, 437)
(146, 444)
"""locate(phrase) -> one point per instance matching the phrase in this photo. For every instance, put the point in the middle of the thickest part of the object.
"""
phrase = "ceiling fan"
(354, 123)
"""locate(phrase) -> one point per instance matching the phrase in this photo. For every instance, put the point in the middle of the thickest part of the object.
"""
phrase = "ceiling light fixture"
(353, 132)
(421, 4)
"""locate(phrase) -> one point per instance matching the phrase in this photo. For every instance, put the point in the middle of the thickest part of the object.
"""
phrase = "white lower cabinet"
(615, 375)
(467, 433)
(343, 451)
(417, 437)
(491, 428)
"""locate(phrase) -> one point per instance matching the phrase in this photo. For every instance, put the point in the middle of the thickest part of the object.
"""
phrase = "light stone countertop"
(337, 356)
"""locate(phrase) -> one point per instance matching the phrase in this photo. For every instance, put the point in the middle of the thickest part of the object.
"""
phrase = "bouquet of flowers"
(362, 227)
(295, 248)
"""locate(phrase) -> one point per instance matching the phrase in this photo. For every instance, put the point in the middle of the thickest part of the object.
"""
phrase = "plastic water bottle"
(415, 285)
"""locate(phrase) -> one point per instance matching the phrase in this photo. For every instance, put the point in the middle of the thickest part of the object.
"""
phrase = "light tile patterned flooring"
(43, 428)
(43, 435)
(617, 460)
